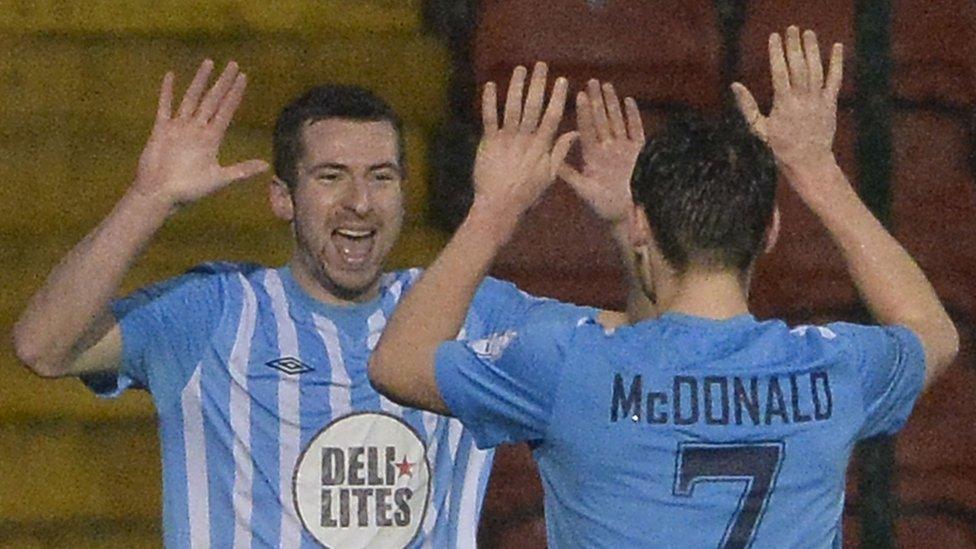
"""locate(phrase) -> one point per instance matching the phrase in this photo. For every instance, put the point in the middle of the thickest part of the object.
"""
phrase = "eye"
(386, 177)
(329, 177)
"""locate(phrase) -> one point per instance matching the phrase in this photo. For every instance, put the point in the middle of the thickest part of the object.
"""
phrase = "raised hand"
(611, 144)
(179, 164)
(517, 161)
(800, 128)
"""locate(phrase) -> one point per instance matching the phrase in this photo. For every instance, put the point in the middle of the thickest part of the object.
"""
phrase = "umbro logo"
(289, 365)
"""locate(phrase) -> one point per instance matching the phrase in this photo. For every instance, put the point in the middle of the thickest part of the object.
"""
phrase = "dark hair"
(708, 188)
(319, 103)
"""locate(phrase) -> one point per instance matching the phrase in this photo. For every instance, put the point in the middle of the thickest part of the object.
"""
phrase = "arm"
(515, 164)
(67, 328)
(610, 145)
(800, 131)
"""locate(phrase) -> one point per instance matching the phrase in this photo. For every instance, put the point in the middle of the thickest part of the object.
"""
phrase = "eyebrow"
(344, 167)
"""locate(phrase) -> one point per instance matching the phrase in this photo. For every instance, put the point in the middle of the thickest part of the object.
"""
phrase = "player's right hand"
(179, 164)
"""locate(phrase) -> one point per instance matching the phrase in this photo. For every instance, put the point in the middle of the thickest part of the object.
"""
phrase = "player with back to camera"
(271, 433)
(704, 427)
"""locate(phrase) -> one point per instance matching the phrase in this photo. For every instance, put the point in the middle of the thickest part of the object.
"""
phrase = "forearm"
(75, 297)
(433, 311)
(892, 285)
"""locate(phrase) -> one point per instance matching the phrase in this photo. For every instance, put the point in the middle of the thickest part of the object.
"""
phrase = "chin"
(352, 286)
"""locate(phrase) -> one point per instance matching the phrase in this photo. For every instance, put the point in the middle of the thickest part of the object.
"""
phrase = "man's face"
(348, 205)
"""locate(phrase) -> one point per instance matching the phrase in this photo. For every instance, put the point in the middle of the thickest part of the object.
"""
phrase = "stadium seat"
(934, 200)
(659, 52)
(805, 274)
(933, 50)
(833, 21)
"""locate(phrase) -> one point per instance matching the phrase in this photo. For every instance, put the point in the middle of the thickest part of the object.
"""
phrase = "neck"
(324, 289)
(707, 293)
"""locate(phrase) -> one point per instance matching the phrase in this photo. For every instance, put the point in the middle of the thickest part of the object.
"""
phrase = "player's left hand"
(517, 161)
(611, 143)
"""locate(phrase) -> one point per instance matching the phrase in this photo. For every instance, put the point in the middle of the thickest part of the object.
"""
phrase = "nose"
(358, 197)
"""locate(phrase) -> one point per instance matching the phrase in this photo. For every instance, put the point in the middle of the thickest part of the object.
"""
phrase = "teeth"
(351, 233)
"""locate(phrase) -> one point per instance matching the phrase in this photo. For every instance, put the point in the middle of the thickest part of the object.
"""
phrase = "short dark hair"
(708, 187)
(319, 103)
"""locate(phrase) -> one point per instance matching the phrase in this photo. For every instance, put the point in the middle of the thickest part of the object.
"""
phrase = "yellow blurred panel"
(418, 247)
(55, 470)
(333, 16)
(210, 16)
(40, 74)
(116, 79)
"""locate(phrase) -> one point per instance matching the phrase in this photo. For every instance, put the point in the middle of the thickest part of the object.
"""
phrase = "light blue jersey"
(272, 435)
(683, 431)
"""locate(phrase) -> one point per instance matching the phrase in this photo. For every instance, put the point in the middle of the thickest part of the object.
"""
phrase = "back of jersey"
(688, 432)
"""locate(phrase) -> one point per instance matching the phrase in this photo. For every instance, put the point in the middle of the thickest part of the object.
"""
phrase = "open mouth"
(355, 246)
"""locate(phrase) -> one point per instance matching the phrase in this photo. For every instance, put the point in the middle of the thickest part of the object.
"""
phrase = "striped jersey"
(271, 433)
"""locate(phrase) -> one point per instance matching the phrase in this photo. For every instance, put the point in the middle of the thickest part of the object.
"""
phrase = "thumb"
(244, 170)
(560, 150)
(750, 110)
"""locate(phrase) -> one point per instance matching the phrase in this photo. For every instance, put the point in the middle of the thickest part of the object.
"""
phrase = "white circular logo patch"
(363, 482)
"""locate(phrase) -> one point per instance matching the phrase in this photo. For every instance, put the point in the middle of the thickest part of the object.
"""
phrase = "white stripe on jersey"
(340, 391)
(195, 449)
(432, 423)
(289, 426)
(467, 526)
(376, 322)
(240, 418)
(453, 437)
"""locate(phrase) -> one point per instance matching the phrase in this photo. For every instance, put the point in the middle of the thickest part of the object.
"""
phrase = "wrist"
(494, 222)
(152, 205)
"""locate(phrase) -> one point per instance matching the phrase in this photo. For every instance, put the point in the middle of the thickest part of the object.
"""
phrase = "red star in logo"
(405, 467)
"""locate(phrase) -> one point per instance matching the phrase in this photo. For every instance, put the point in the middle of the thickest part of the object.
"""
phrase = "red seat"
(832, 20)
(934, 201)
(805, 273)
(663, 52)
(933, 46)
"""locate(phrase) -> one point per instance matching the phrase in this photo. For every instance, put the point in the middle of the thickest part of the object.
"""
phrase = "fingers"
(554, 110)
(584, 119)
(777, 65)
(750, 110)
(225, 112)
(165, 107)
(534, 98)
(243, 170)
(635, 126)
(513, 101)
(814, 62)
(489, 108)
(192, 96)
(216, 94)
(836, 71)
(617, 125)
(600, 120)
(560, 150)
(799, 77)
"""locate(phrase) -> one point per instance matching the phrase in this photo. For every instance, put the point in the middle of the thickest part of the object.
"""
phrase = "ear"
(281, 200)
(772, 231)
(639, 227)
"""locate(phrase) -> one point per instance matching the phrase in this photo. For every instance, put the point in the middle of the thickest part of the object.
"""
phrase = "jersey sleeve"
(164, 329)
(502, 387)
(890, 363)
(499, 306)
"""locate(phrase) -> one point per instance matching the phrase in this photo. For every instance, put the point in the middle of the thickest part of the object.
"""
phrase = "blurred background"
(78, 82)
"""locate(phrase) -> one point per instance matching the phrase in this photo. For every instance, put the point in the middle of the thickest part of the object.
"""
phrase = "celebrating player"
(271, 433)
(704, 427)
